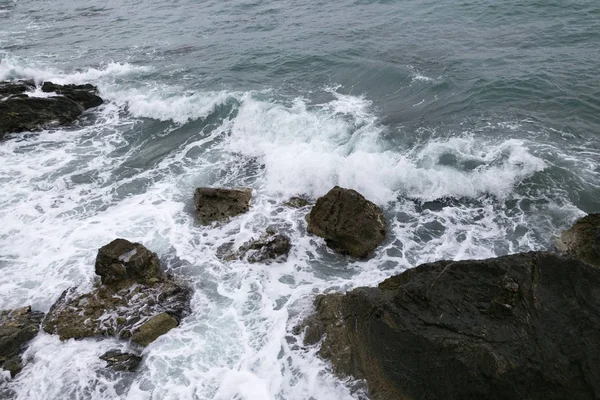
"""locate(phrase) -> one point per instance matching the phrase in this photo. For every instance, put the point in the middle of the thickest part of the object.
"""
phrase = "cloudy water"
(475, 125)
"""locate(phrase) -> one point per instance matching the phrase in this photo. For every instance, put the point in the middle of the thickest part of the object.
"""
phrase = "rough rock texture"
(525, 326)
(122, 260)
(20, 112)
(349, 223)
(215, 204)
(270, 246)
(119, 361)
(297, 202)
(156, 326)
(121, 308)
(582, 240)
(17, 328)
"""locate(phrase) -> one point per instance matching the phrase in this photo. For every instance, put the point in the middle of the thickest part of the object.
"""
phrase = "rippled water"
(474, 124)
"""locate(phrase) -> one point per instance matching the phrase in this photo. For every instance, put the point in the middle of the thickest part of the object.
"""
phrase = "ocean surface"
(474, 124)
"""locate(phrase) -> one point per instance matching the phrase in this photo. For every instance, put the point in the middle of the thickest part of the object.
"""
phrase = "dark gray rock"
(126, 303)
(582, 240)
(270, 246)
(122, 260)
(525, 326)
(19, 112)
(119, 361)
(297, 202)
(349, 223)
(217, 204)
(17, 328)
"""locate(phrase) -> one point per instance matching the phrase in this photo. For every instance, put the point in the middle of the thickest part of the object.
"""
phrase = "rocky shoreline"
(518, 326)
(25, 106)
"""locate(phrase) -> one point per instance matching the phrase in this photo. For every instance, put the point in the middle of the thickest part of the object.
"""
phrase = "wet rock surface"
(582, 240)
(122, 260)
(19, 111)
(523, 326)
(119, 361)
(218, 204)
(297, 202)
(270, 246)
(124, 305)
(17, 328)
(349, 223)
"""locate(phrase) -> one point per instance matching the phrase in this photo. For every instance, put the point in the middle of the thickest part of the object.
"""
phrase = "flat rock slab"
(349, 223)
(21, 112)
(582, 240)
(218, 204)
(117, 312)
(17, 328)
(525, 326)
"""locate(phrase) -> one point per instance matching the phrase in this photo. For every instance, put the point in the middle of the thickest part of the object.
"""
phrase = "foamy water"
(67, 192)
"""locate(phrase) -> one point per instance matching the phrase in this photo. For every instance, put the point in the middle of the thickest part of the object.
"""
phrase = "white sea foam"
(68, 192)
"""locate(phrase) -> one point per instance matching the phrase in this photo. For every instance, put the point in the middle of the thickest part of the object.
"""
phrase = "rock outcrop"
(136, 300)
(217, 204)
(270, 246)
(20, 111)
(119, 361)
(17, 328)
(582, 240)
(349, 223)
(525, 326)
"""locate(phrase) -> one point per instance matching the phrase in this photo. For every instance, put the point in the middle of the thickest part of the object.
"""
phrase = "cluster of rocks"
(519, 326)
(136, 300)
(21, 110)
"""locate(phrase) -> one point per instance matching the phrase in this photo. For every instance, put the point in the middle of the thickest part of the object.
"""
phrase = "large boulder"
(349, 223)
(525, 326)
(218, 204)
(582, 240)
(17, 328)
(128, 303)
(19, 111)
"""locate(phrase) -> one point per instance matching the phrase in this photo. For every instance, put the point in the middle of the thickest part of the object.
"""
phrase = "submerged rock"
(119, 361)
(297, 202)
(21, 112)
(17, 328)
(270, 246)
(525, 326)
(582, 240)
(217, 204)
(126, 303)
(349, 223)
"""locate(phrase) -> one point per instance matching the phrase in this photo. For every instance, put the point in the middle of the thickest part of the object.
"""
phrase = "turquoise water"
(475, 125)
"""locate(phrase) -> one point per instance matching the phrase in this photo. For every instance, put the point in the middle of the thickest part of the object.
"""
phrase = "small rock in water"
(122, 260)
(217, 204)
(120, 361)
(17, 328)
(270, 246)
(582, 240)
(297, 202)
(349, 223)
(20, 112)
